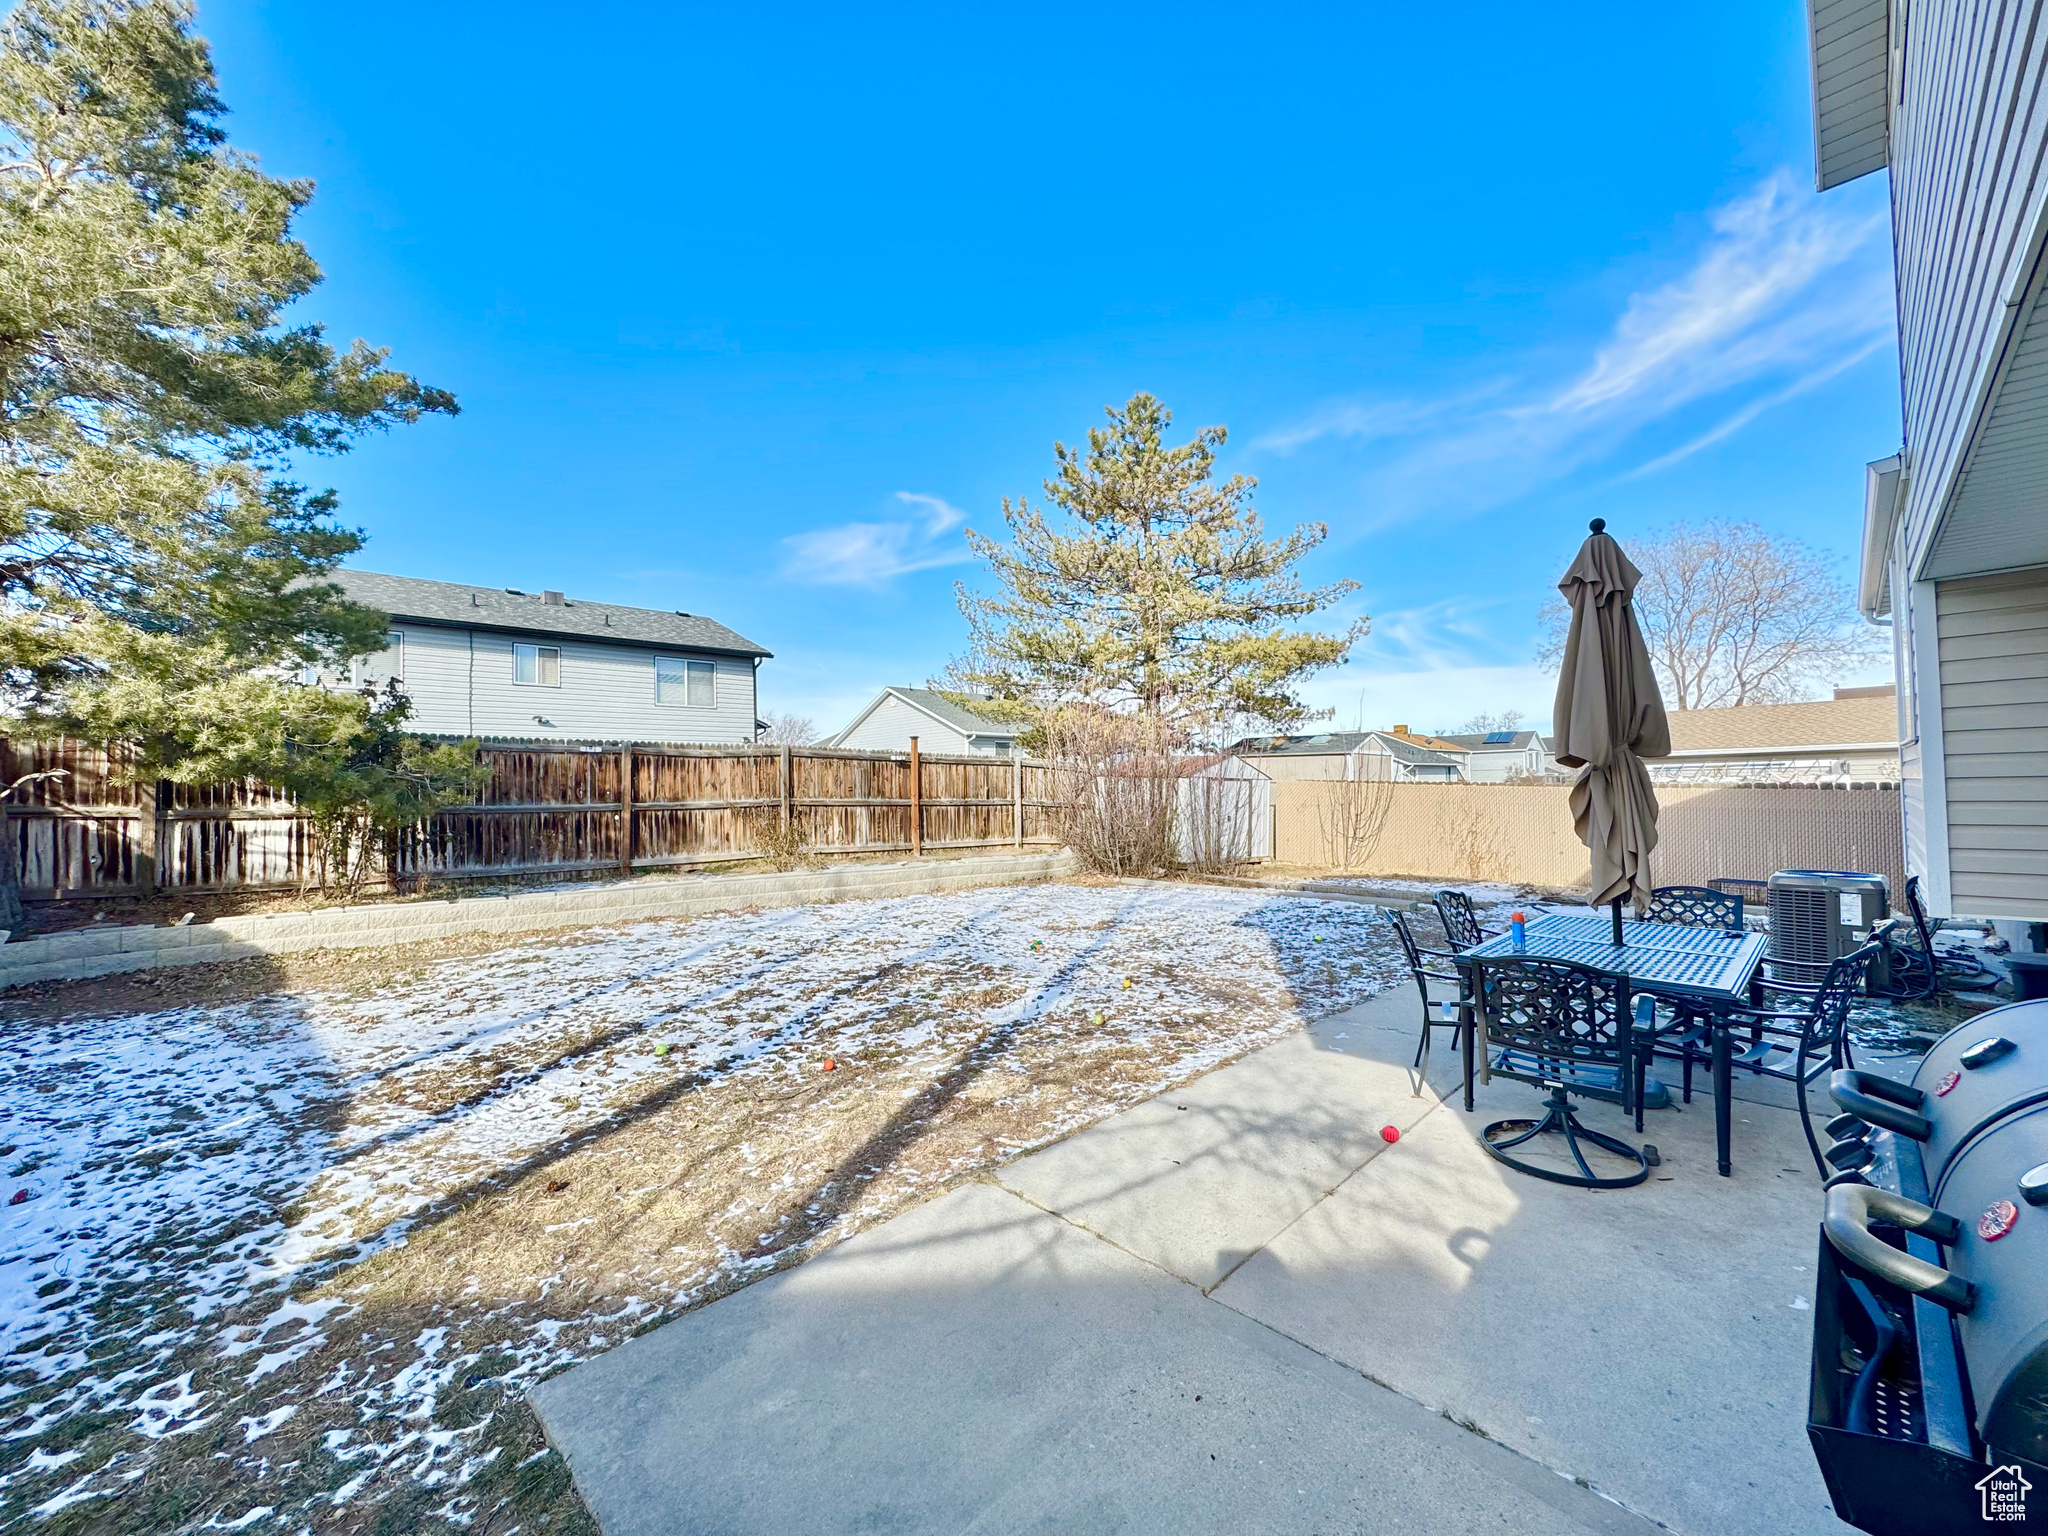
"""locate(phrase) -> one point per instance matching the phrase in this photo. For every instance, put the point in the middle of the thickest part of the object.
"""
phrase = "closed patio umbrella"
(1609, 716)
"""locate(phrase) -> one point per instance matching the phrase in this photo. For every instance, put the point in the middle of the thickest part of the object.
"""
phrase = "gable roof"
(944, 710)
(931, 702)
(1485, 741)
(500, 608)
(1407, 749)
(1823, 723)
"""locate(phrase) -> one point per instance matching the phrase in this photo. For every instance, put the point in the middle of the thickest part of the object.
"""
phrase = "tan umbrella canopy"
(1609, 717)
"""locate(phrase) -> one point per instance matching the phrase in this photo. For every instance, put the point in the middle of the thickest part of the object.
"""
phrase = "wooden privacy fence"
(1522, 834)
(97, 831)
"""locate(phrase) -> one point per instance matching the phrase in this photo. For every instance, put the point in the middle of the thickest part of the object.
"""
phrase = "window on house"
(690, 683)
(539, 665)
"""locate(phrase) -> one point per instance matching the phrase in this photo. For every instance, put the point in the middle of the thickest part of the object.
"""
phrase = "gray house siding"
(1966, 92)
(1969, 135)
(889, 726)
(461, 683)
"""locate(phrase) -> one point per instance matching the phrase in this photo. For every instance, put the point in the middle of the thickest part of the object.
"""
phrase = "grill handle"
(1851, 1209)
(1880, 1101)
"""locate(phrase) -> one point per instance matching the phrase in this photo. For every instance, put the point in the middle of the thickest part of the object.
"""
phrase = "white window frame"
(541, 656)
(693, 667)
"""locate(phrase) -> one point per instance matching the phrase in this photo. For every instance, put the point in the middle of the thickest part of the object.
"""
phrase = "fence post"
(787, 785)
(1016, 800)
(626, 810)
(916, 804)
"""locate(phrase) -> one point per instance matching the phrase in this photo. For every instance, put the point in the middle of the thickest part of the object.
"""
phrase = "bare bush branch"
(1353, 812)
(1114, 788)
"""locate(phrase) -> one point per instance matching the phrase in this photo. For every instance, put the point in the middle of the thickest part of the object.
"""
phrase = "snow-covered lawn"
(291, 1262)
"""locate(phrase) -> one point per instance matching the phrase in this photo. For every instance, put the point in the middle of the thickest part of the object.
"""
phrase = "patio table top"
(1715, 964)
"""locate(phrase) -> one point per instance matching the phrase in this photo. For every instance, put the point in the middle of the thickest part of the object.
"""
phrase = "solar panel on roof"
(1499, 738)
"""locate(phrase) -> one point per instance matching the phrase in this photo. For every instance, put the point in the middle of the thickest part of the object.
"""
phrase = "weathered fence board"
(96, 830)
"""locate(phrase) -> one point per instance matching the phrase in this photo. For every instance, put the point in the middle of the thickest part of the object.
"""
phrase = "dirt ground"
(297, 1235)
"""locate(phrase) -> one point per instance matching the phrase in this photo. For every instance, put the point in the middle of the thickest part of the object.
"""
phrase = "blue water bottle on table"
(1518, 930)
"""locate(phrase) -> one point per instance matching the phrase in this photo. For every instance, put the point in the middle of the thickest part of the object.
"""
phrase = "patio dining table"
(1709, 968)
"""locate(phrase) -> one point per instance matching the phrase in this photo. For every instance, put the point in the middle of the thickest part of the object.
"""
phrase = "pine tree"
(1156, 593)
(150, 392)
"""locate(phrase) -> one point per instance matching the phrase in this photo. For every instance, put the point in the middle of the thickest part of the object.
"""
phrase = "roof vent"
(553, 599)
(515, 592)
(682, 614)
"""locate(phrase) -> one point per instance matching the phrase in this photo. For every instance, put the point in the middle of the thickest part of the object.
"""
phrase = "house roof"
(502, 608)
(1492, 741)
(1408, 749)
(941, 709)
(1823, 723)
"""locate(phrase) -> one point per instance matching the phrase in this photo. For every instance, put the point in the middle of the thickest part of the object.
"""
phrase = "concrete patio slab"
(1653, 1340)
(1199, 1179)
(1024, 1358)
(980, 1366)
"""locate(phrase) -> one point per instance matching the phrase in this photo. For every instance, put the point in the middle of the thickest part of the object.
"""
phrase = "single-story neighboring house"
(1395, 754)
(940, 725)
(499, 663)
(1852, 738)
(1503, 757)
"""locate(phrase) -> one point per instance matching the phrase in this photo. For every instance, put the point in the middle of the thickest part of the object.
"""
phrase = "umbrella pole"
(1617, 922)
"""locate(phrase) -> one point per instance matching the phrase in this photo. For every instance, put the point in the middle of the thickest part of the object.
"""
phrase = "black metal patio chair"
(1571, 1029)
(1437, 1013)
(1695, 906)
(1804, 1038)
(1461, 923)
(1691, 906)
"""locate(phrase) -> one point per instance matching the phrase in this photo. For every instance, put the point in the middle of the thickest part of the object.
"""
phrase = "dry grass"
(398, 1391)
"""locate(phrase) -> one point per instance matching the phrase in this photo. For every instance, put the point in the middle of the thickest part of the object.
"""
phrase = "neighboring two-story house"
(498, 663)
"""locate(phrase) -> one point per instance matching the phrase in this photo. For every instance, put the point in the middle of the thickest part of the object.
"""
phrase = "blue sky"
(751, 311)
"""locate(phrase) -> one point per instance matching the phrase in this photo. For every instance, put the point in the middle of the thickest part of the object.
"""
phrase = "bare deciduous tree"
(788, 731)
(1735, 615)
(1353, 814)
(1483, 723)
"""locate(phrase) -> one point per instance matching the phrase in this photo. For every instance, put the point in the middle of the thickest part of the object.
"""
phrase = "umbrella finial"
(1598, 525)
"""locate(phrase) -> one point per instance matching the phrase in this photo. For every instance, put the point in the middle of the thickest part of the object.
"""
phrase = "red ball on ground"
(1389, 1133)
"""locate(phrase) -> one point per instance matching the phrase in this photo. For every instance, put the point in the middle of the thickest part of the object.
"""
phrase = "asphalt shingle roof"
(1333, 743)
(936, 703)
(498, 608)
(1823, 723)
(1470, 740)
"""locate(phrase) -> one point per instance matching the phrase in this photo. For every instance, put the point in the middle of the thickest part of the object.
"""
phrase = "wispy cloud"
(862, 554)
(1433, 666)
(1787, 291)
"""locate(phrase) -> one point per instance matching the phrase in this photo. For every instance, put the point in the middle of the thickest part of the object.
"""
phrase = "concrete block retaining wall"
(102, 951)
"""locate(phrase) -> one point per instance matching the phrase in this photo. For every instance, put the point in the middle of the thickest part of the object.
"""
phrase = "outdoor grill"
(1929, 1403)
